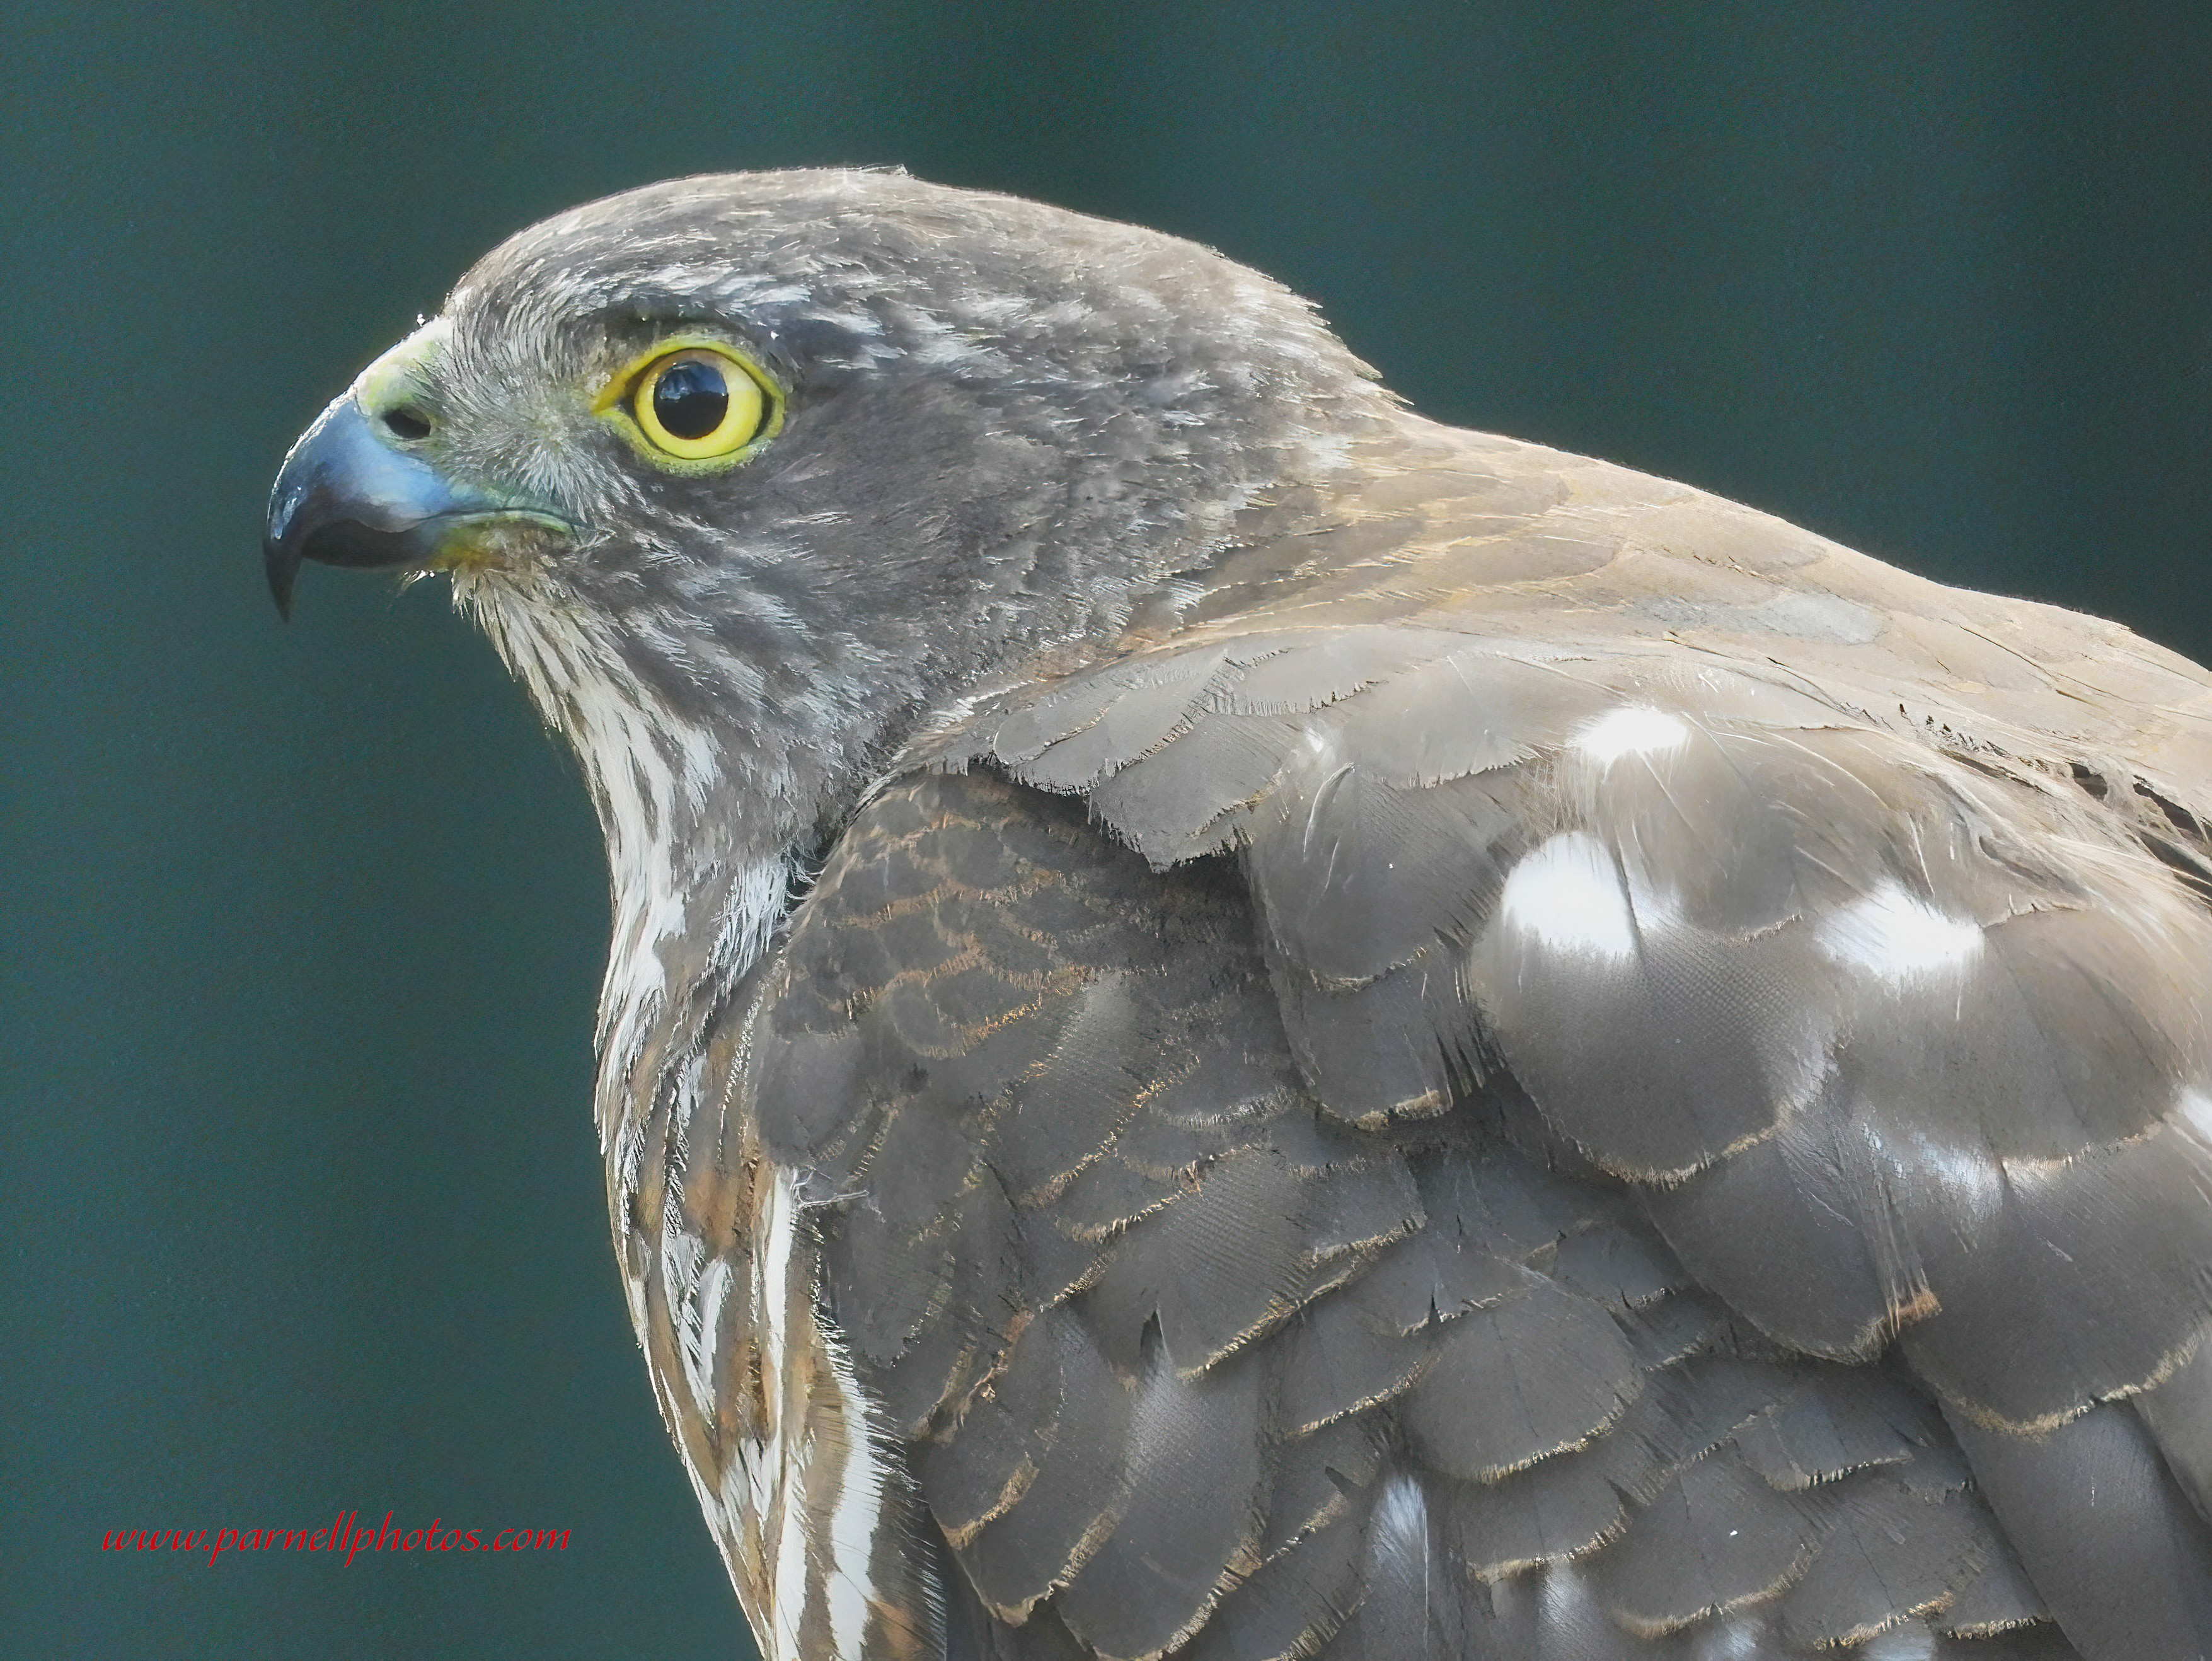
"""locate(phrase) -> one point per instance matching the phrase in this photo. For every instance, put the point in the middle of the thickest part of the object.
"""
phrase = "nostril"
(407, 423)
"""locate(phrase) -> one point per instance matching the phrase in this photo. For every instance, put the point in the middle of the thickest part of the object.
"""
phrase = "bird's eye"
(695, 404)
(698, 404)
(689, 400)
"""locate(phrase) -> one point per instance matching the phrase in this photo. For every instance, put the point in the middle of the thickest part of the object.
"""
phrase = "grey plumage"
(1245, 1027)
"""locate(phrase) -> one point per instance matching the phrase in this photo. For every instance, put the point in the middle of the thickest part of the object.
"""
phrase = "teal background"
(303, 1209)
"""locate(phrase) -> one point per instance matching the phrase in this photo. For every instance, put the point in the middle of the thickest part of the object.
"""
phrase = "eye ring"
(694, 405)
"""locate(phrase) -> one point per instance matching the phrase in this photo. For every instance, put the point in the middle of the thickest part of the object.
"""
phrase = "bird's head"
(743, 473)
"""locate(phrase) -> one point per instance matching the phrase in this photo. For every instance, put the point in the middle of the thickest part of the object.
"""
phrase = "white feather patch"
(2194, 1108)
(1633, 729)
(858, 1513)
(1568, 894)
(1898, 936)
(1400, 1533)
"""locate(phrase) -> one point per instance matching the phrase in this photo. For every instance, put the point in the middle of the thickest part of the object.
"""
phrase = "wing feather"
(1551, 1066)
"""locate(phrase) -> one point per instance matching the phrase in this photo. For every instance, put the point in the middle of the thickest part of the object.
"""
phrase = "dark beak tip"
(280, 563)
(347, 496)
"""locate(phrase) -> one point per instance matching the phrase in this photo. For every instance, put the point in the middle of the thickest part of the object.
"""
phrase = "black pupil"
(690, 399)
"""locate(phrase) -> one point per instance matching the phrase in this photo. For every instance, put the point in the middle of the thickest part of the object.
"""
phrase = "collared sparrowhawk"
(1242, 1026)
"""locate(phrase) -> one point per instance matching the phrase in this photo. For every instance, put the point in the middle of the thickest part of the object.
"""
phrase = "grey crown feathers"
(1242, 1026)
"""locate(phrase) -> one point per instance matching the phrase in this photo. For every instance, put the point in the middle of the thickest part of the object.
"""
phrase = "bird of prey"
(1242, 1026)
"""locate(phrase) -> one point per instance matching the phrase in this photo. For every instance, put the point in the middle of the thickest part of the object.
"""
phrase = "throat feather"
(697, 874)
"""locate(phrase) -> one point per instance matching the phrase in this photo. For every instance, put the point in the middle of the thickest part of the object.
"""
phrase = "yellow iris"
(694, 403)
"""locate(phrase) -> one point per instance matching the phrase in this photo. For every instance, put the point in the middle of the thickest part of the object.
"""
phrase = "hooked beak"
(351, 492)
